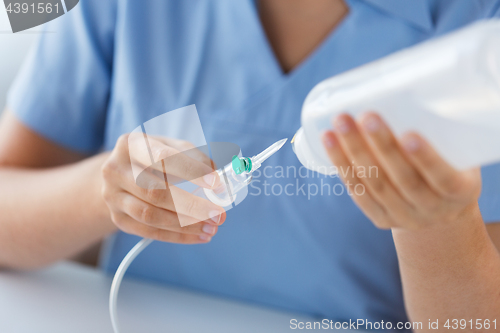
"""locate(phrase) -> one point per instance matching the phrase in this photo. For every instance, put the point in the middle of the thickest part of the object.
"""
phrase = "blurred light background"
(13, 50)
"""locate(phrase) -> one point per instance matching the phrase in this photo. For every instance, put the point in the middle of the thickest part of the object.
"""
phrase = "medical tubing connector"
(117, 280)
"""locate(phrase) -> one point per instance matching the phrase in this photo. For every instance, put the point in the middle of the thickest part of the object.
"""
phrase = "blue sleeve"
(489, 202)
(496, 9)
(63, 87)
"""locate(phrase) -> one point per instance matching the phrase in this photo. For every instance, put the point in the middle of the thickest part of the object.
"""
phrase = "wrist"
(470, 216)
(465, 237)
(96, 204)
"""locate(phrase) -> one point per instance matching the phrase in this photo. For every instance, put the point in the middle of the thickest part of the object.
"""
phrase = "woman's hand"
(148, 210)
(413, 187)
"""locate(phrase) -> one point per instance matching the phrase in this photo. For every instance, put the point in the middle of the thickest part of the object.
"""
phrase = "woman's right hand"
(149, 211)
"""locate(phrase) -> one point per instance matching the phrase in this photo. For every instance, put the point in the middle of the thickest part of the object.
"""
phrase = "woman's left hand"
(413, 187)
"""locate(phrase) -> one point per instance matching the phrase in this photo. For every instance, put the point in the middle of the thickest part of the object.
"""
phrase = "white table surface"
(71, 298)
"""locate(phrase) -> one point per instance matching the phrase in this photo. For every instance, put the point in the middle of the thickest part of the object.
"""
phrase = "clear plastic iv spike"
(259, 158)
(237, 175)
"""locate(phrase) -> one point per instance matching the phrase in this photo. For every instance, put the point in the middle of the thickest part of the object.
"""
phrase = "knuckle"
(122, 140)
(379, 186)
(357, 150)
(189, 169)
(109, 169)
(162, 152)
(194, 229)
(182, 238)
(425, 157)
(153, 195)
(114, 218)
(118, 220)
(135, 211)
(412, 183)
(147, 214)
(158, 234)
(158, 154)
(105, 193)
(387, 146)
(191, 207)
(176, 237)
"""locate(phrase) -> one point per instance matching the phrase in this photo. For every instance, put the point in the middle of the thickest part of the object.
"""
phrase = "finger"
(400, 170)
(182, 164)
(178, 200)
(176, 163)
(441, 176)
(373, 210)
(131, 226)
(197, 153)
(357, 150)
(160, 218)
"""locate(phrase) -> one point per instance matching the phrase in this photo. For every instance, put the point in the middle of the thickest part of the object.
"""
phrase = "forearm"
(50, 214)
(450, 271)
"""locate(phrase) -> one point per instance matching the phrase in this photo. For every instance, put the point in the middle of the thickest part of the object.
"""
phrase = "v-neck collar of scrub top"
(416, 13)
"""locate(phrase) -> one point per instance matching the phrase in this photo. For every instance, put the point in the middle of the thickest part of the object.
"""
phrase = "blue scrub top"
(109, 66)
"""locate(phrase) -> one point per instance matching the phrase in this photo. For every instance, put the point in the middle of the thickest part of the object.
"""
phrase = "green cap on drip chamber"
(240, 165)
(247, 164)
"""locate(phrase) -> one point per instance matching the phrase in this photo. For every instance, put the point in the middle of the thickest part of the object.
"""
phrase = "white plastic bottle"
(447, 89)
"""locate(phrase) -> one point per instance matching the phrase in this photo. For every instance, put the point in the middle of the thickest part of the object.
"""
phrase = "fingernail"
(328, 140)
(371, 123)
(209, 179)
(215, 216)
(208, 229)
(342, 125)
(205, 238)
(411, 143)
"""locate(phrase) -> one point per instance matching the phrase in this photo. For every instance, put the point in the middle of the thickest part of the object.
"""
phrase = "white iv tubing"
(117, 280)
